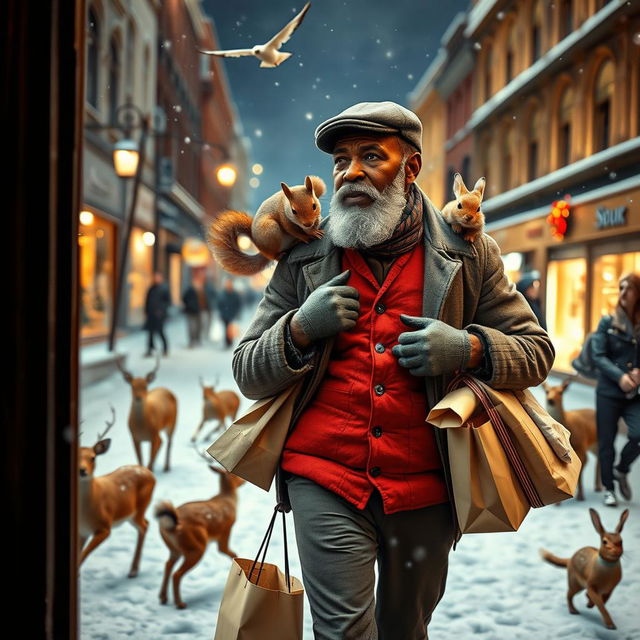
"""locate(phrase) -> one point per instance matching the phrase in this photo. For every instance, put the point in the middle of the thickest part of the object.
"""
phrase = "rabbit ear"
(479, 186)
(458, 186)
(623, 519)
(595, 518)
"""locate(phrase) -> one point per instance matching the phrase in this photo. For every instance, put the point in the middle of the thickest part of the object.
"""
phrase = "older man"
(377, 316)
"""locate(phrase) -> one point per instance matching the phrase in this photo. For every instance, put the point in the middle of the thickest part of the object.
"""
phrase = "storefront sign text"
(606, 218)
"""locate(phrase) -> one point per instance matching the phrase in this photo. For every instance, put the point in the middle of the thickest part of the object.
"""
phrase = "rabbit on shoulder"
(463, 213)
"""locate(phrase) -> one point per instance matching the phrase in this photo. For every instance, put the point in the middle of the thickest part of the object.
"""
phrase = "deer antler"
(127, 374)
(152, 374)
(109, 424)
(201, 381)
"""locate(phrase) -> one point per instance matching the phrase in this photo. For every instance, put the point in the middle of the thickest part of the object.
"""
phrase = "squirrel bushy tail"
(222, 237)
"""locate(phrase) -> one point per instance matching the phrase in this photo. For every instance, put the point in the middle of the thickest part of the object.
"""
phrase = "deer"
(106, 501)
(596, 570)
(582, 425)
(188, 529)
(217, 405)
(152, 411)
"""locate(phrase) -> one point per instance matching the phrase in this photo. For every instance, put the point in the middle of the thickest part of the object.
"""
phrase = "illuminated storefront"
(140, 274)
(580, 271)
(96, 237)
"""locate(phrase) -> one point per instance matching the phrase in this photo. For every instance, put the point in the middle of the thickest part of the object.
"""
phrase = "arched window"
(533, 145)
(536, 32)
(508, 156)
(487, 73)
(565, 115)
(114, 77)
(603, 91)
(511, 47)
(131, 60)
(566, 18)
(93, 57)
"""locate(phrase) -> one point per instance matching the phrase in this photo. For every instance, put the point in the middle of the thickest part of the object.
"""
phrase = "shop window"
(602, 106)
(533, 146)
(536, 32)
(566, 18)
(565, 308)
(514, 265)
(175, 278)
(607, 271)
(96, 248)
(93, 57)
(139, 276)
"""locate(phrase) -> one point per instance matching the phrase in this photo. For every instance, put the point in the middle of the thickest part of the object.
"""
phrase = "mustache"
(349, 188)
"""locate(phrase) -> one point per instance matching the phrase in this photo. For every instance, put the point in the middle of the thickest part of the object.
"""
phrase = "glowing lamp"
(226, 175)
(86, 218)
(125, 158)
(148, 238)
(559, 217)
(195, 252)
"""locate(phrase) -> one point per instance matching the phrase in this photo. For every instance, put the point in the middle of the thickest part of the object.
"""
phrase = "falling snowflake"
(187, 139)
(300, 64)
(355, 86)
(408, 564)
(419, 553)
(328, 97)
(500, 15)
(177, 108)
(410, 76)
(377, 40)
(317, 79)
(389, 54)
(314, 86)
(258, 133)
(308, 115)
(167, 44)
(613, 175)
(393, 541)
(636, 38)
(276, 84)
(477, 46)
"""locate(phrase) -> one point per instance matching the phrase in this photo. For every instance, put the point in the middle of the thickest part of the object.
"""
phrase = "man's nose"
(353, 172)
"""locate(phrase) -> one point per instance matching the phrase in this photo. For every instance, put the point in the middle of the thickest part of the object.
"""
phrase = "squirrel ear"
(308, 184)
(458, 185)
(287, 191)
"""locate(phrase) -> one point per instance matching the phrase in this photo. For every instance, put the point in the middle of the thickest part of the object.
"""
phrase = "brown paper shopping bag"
(259, 601)
(252, 445)
(537, 446)
(487, 494)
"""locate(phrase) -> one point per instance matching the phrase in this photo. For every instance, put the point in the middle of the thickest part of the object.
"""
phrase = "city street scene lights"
(226, 175)
(126, 156)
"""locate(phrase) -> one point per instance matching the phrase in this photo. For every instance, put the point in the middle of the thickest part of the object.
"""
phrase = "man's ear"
(412, 168)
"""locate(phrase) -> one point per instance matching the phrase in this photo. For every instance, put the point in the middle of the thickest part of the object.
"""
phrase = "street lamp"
(126, 157)
(226, 175)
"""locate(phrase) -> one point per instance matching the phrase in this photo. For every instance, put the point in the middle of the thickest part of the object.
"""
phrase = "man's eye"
(371, 155)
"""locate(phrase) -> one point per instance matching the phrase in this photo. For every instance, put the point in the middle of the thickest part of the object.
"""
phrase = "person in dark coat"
(155, 307)
(529, 287)
(229, 305)
(615, 353)
(194, 304)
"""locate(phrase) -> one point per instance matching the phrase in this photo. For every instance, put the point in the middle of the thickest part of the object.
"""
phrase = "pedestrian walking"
(229, 305)
(193, 300)
(367, 479)
(615, 353)
(211, 303)
(529, 287)
(156, 307)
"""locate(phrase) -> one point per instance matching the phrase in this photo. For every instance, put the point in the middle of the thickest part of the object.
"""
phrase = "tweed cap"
(375, 117)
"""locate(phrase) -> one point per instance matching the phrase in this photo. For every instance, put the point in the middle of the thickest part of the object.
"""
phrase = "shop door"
(566, 304)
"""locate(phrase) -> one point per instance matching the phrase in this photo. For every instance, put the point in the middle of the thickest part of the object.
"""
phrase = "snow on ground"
(498, 588)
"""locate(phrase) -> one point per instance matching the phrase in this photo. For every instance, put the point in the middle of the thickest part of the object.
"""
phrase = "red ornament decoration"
(558, 219)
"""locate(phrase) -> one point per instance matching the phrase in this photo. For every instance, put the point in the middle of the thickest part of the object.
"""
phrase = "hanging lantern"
(559, 218)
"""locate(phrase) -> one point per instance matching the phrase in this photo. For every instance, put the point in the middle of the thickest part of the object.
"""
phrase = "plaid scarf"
(408, 231)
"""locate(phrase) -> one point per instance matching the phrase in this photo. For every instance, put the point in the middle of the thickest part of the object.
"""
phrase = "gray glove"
(433, 349)
(329, 309)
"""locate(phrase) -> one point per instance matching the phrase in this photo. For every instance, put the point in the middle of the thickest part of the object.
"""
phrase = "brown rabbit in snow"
(596, 570)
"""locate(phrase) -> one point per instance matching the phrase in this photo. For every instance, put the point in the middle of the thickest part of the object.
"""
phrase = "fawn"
(107, 501)
(582, 425)
(596, 570)
(152, 411)
(188, 529)
(217, 405)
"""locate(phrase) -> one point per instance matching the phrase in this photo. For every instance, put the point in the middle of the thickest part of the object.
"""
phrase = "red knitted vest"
(365, 426)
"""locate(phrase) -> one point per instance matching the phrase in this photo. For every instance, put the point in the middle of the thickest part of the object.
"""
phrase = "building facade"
(555, 126)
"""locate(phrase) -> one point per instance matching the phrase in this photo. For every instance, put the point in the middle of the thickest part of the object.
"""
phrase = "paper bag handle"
(265, 545)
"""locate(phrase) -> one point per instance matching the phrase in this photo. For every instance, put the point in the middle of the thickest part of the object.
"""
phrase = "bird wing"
(284, 34)
(229, 53)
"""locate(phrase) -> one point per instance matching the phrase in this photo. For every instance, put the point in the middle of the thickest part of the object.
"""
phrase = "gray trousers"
(338, 546)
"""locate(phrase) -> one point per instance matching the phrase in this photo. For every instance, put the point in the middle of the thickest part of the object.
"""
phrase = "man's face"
(368, 160)
(371, 175)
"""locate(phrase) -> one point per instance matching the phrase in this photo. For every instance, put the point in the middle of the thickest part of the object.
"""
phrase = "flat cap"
(374, 117)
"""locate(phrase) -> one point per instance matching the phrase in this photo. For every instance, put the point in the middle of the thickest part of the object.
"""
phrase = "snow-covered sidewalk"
(498, 588)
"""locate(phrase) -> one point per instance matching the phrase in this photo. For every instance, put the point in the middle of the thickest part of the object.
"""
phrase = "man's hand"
(433, 349)
(627, 383)
(329, 309)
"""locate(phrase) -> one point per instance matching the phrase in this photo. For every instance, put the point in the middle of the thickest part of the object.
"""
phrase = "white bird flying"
(267, 53)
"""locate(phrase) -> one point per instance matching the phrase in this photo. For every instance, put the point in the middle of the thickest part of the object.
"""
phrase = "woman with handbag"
(615, 353)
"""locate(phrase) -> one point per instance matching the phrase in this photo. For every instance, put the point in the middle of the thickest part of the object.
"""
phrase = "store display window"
(96, 248)
(565, 308)
(607, 271)
(139, 277)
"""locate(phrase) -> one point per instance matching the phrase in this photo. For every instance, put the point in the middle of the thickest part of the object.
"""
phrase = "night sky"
(343, 53)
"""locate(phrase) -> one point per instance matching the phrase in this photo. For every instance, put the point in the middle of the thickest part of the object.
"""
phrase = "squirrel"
(463, 213)
(281, 221)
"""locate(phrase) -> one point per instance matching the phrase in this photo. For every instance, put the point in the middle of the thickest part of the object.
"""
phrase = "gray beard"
(358, 227)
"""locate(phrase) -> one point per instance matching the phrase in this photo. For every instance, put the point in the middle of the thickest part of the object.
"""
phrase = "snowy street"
(498, 587)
